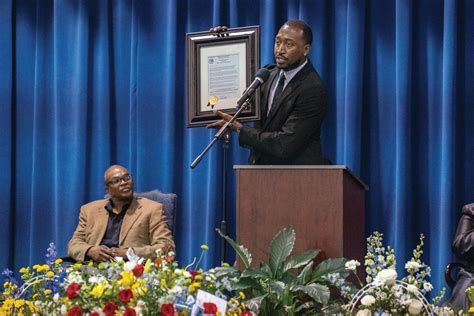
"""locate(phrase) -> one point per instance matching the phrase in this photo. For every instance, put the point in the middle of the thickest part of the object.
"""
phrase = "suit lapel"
(266, 93)
(130, 217)
(101, 220)
(292, 85)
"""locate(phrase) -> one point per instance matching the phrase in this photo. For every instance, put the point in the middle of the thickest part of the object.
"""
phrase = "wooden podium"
(324, 204)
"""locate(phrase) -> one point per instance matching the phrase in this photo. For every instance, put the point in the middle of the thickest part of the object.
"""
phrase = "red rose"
(193, 274)
(157, 261)
(246, 313)
(129, 312)
(167, 309)
(138, 270)
(110, 308)
(72, 289)
(75, 311)
(94, 314)
(210, 308)
(125, 295)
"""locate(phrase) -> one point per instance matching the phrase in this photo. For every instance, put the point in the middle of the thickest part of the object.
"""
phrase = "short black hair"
(307, 32)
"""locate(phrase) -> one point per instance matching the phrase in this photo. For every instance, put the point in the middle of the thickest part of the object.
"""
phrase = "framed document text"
(219, 69)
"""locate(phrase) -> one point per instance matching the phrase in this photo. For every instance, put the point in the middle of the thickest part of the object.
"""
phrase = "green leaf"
(241, 251)
(245, 283)
(329, 266)
(255, 303)
(280, 248)
(305, 274)
(320, 293)
(277, 287)
(301, 260)
(256, 273)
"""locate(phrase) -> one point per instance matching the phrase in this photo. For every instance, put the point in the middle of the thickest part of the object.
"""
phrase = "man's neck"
(117, 205)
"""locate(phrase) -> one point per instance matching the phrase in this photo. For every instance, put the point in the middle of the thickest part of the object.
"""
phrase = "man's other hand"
(220, 31)
(100, 253)
(119, 252)
(235, 126)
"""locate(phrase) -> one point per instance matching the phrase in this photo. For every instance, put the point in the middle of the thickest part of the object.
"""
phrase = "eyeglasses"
(117, 180)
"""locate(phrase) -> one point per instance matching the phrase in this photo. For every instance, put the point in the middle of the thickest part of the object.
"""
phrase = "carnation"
(352, 265)
(412, 266)
(412, 288)
(368, 300)
(387, 276)
(415, 307)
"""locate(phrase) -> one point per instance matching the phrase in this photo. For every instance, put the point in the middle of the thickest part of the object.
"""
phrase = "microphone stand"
(220, 133)
(223, 133)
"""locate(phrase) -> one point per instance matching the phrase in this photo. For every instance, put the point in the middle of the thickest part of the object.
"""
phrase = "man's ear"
(307, 48)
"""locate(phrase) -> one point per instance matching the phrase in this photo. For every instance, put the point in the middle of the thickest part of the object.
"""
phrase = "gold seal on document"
(212, 101)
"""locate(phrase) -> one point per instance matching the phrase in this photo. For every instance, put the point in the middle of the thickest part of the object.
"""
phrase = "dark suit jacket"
(291, 132)
(463, 248)
(144, 228)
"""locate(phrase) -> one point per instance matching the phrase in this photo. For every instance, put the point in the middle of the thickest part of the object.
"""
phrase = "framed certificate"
(219, 69)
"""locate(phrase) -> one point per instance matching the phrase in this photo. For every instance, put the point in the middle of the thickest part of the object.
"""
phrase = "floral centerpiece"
(383, 293)
(129, 288)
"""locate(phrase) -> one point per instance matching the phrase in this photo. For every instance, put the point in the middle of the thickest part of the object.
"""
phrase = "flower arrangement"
(129, 288)
(383, 293)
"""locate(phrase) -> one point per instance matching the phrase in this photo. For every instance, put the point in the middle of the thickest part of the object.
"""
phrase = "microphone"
(260, 77)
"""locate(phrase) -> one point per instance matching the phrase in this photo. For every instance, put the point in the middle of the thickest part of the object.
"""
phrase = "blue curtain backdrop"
(84, 84)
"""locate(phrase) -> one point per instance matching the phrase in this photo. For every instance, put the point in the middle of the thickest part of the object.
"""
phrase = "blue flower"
(7, 273)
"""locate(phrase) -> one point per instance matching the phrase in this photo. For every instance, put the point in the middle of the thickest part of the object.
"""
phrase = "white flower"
(387, 276)
(415, 307)
(412, 266)
(427, 286)
(352, 265)
(129, 266)
(364, 312)
(367, 300)
(56, 297)
(186, 274)
(412, 289)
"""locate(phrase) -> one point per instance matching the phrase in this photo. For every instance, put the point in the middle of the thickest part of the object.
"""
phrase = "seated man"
(109, 227)
(463, 248)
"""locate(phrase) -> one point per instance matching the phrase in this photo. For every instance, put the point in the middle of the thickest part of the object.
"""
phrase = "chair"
(168, 200)
(451, 273)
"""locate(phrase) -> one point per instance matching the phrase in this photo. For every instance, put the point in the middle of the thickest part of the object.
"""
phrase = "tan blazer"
(144, 228)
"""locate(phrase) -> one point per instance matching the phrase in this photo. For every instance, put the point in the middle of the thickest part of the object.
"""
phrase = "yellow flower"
(45, 267)
(36, 267)
(242, 295)
(147, 266)
(163, 283)
(204, 247)
(198, 277)
(47, 291)
(194, 286)
(6, 284)
(35, 282)
(127, 279)
(19, 303)
(50, 274)
(98, 290)
(471, 309)
(24, 270)
(58, 261)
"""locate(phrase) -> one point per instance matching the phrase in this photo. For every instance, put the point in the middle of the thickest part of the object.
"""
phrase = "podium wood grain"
(324, 204)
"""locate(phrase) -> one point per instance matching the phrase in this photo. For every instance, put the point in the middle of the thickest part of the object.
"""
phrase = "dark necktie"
(278, 91)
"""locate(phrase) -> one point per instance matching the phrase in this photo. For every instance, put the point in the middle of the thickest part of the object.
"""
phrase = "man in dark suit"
(294, 104)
